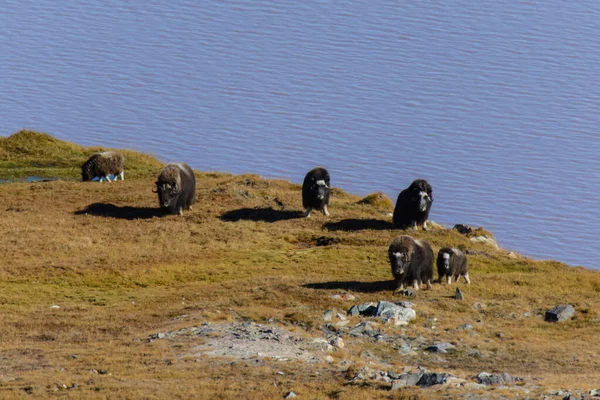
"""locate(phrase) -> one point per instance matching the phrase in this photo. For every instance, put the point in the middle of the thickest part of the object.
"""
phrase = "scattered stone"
(387, 312)
(571, 397)
(328, 315)
(479, 306)
(353, 311)
(329, 359)
(459, 294)
(595, 392)
(55, 307)
(345, 296)
(496, 379)
(512, 255)
(74, 356)
(490, 241)
(290, 395)
(338, 342)
(559, 313)
(430, 379)
(102, 371)
(466, 327)
(398, 384)
(367, 309)
(341, 316)
(364, 328)
(499, 335)
(464, 229)
(440, 348)
(474, 386)
(341, 324)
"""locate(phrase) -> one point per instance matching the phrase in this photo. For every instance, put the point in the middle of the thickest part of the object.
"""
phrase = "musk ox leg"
(324, 210)
(449, 280)
(425, 228)
(307, 212)
(466, 276)
(415, 227)
(107, 178)
(121, 175)
(180, 211)
(399, 285)
(428, 283)
(416, 284)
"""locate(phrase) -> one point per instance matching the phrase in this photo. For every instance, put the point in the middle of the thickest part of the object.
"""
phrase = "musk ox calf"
(102, 165)
(316, 191)
(176, 188)
(413, 205)
(451, 262)
(412, 262)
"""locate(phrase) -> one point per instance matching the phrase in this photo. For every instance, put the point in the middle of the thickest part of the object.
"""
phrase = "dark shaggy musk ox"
(451, 262)
(102, 165)
(412, 262)
(316, 191)
(413, 205)
(176, 188)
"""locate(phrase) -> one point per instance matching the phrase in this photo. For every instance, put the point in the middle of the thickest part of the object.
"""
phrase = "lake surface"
(495, 103)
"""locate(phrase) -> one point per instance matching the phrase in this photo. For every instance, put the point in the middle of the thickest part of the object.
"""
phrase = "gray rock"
(466, 327)
(398, 384)
(290, 395)
(367, 309)
(364, 328)
(430, 379)
(387, 312)
(490, 241)
(328, 315)
(440, 347)
(559, 313)
(393, 375)
(595, 392)
(412, 378)
(459, 294)
(341, 315)
(353, 311)
(386, 308)
(485, 378)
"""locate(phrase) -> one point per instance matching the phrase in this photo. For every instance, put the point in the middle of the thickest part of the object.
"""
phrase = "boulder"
(440, 347)
(559, 313)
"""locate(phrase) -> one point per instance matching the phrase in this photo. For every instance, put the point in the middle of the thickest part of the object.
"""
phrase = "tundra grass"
(89, 270)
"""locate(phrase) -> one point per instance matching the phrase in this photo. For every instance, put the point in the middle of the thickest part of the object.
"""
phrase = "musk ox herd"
(411, 259)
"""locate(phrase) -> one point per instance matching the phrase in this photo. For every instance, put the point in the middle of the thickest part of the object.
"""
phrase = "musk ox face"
(446, 260)
(424, 200)
(320, 189)
(86, 175)
(167, 193)
(400, 262)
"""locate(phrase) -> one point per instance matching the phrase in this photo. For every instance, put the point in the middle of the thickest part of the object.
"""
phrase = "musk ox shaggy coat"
(316, 191)
(176, 188)
(413, 205)
(451, 262)
(411, 261)
(102, 165)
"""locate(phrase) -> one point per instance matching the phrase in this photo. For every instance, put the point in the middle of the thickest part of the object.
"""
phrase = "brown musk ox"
(452, 262)
(102, 165)
(413, 205)
(176, 188)
(411, 261)
(316, 191)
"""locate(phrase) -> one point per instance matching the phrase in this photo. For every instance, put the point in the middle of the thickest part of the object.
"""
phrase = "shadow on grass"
(354, 286)
(359, 224)
(260, 214)
(126, 212)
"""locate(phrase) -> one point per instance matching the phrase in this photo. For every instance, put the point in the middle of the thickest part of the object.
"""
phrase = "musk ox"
(412, 262)
(102, 165)
(413, 205)
(176, 188)
(316, 191)
(451, 262)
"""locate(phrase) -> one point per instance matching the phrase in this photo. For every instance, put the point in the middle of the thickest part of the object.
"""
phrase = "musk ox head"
(167, 192)
(400, 261)
(320, 189)
(86, 175)
(446, 261)
(421, 194)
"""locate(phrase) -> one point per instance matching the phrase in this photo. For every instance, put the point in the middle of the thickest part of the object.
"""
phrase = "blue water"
(496, 103)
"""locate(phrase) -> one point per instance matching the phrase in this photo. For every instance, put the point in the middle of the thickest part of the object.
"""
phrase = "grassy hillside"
(90, 270)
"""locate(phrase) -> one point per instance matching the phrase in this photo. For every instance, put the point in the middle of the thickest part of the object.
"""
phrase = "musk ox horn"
(175, 190)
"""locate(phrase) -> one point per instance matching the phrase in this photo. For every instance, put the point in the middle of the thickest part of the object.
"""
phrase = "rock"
(512, 255)
(459, 295)
(55, 307)
(290, 395)
(440, 347)
(490, 241)
(595, 392)
(462, 228)
(353, 311)
(367, 309)
(405, 304)
(479, 306)
(430, 379)
(412, 378)
(387, 312)
(559, 313)
(338, 342)
(485, 378)
(474, 386)
(364, 328)
(499, 335)
(398, 384)
(466, 327)
(328, 315)
(341, 316)
(341, 324)
(329, 359)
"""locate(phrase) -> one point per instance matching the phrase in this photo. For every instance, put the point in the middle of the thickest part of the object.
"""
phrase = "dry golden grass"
(120, 271)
